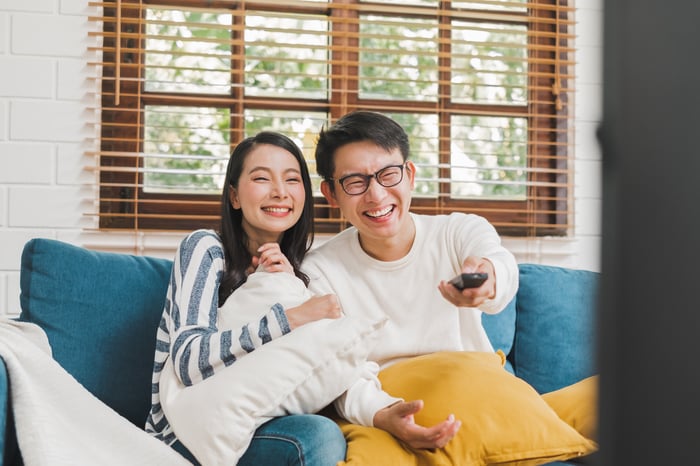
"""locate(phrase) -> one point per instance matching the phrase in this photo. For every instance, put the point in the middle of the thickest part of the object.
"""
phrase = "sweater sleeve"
(197, 346)
(364, 398)
(479, 238)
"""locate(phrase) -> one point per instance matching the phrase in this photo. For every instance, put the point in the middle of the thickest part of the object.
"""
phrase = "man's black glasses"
(357, 183)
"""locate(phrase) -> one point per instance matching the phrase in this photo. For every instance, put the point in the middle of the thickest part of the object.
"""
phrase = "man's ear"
(411, 171)
(328, 193)
(233, 197)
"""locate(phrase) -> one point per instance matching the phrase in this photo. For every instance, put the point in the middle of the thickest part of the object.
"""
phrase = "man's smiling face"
(380, 214)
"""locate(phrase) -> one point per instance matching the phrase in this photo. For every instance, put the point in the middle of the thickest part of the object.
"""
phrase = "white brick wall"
(46, 127)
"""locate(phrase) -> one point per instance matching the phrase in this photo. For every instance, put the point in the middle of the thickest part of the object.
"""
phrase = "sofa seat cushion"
(100, 312)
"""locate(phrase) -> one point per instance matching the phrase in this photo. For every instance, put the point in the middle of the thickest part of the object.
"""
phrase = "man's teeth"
(379, 213)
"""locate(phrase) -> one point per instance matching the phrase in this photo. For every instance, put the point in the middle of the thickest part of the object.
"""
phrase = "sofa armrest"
(4, 408)
(9, 451)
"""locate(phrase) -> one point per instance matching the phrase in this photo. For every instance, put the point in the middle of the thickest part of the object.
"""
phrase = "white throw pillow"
(252, 300)
(301, 372)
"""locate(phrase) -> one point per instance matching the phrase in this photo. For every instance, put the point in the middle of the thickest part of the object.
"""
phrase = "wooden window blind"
(483, 88)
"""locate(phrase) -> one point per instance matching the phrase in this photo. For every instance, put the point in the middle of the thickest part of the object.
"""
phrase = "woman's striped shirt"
(188, 331)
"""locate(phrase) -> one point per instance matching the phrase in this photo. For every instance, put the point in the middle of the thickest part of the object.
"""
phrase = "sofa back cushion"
(555, 326)
(100, 311)
(500, 329)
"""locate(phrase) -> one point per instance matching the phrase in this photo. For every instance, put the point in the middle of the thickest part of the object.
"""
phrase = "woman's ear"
(328, 193)
(233, 197)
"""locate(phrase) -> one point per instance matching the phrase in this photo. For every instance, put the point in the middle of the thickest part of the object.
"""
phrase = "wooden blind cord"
(118, 56)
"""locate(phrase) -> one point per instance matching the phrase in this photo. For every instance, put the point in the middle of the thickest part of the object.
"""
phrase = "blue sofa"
(100, 312)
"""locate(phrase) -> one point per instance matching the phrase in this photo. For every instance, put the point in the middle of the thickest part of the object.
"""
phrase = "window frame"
(545, 211)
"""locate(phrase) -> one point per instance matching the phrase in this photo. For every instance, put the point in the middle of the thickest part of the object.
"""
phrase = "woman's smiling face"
(270, 193)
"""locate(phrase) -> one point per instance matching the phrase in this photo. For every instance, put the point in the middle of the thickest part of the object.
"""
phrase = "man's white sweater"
(421, 321)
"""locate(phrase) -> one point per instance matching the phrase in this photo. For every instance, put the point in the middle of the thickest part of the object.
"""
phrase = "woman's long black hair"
(295, 242)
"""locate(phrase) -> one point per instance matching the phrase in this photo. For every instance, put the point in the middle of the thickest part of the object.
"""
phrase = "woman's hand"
(471, 297)
(398, 420)
(272, 259)
(316, 308)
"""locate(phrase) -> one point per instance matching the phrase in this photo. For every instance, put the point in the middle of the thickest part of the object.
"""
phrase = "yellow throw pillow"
(504, 420)
(577, 405)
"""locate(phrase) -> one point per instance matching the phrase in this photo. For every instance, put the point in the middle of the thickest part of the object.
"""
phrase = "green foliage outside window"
(186, 148)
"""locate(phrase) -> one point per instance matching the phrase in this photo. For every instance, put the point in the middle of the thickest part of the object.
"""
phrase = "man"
(396, 263)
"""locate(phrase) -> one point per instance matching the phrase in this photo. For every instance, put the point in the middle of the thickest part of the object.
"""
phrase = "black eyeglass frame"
(368, 178)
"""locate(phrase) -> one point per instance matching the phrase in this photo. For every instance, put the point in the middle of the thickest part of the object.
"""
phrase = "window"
(483, 88)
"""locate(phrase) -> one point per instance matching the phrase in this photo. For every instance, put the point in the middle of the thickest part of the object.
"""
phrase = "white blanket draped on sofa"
(58, 421)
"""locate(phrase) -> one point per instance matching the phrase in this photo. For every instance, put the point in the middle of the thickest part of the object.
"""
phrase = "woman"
(266, 221)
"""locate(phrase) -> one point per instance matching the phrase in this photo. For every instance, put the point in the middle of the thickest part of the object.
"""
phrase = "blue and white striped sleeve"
(198, 347)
